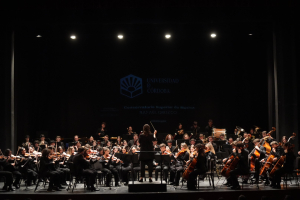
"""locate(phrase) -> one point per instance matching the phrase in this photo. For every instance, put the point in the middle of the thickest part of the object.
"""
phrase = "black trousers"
(165, 172)
(31, 175)
(257, 169)
(277, 175)
(175, 172)
(192, 180)
(109, 172)
(124, 173)
(233, 176)
(135, 171)
(90, 176)
(18, 176)
(8, 177)
(149, 163)
(54, 178)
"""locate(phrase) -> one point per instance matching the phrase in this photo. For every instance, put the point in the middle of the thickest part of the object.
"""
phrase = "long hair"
(184, 145)
(172, 138)
(200, 148)
(45, 152)
(146, 129)
(69, 151)
(211, 147)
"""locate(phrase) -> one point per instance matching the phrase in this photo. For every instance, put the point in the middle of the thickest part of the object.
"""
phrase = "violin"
(181, 152)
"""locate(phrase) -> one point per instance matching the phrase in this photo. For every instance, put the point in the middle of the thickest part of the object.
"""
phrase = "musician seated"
(108, 167)
(200, 167)
(169, 137)
(192, 142)
(201, 139)
(249, 145)
(43, 141)
(186, 137)
(47, 170)
(241, 167)
(105, 139)
(165, 166)
(179, 162)
(170, 145)
(195, 130)
(8, 176)
(130, 131)
(92, 142)
(27, 167)
(155, 145)
(288, 165)
(82, 168)
(76, 140)
(262, 151)
(77, 146)
(230, 140)
(27, 142)
(37, 146)
(52, 143)
(211, 140)
(209, 128)
(134, 140)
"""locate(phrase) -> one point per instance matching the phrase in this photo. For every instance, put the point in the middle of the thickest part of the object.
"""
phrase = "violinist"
(200, 167)
(55, 157)
(47, 170)
(262, 151)
(119, 142)
(180, 161)
(170, 145)
(127, 166)
(105, 139)
(60, 164)
(134, 140)
(82, 167)
(179, 132)
(7, 174)
(230, 140)
(288, 165)
(70, 153)
(10, 165)
(211, 140)
(77, 146)
(124, 151)
(108, 167)
(164, 165)
(241, 168)
(201, 139)
(155, 145)
(26, 167)
(108, 145)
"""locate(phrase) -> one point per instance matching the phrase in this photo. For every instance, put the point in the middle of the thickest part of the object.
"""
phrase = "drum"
(217, 132)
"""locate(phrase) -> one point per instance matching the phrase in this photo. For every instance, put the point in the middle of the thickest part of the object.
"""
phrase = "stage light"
(38, 36)
(120, 37)
(250, 33)
(167, 36)
(213, 35)
(73, 37)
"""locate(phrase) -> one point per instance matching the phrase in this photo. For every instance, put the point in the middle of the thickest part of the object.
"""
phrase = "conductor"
(146, 158)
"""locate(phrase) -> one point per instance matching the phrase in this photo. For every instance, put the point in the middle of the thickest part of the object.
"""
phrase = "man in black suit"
(59, 142)
(82, 168)
(195, 130)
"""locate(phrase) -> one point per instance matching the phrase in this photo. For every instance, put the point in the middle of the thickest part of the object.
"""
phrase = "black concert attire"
(209, 130)
(125, 168)
(200, 168)
(195, 132)
(288, 167)
(37, 149)
(109, 170)
(262, 151)
(241, 168)
(215, 146)
(92, 145)
(177, 136)
(26, 144)
(165, 169)
(82, 168)
(7, 174)
(172, 149)
(27, 167)
(47, 170)
(7, 166)
(250, 146)
(178, 167)
(102, 133)
(131, 143)
(60, 144)
(146, 158)
(63, 168)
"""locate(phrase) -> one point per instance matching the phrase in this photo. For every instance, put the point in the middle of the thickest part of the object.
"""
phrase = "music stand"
(162, 159)
(157, 149)
(127, 137)
(187, 142)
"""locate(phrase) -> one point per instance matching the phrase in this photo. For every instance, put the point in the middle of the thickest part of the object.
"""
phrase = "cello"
(266, 144)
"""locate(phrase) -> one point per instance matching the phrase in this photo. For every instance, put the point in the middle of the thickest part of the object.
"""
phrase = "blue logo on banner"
(131, 86)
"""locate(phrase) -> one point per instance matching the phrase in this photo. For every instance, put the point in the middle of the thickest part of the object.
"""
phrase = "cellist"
(241, 168)
(276, 151)
(288, 165)
(262, 151)
(233, 144)
(200, 167)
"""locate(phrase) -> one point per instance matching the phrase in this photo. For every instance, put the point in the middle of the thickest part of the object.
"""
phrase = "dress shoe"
(10, 189)
(117, 185)
(4, 187)
(192, 188)
(17, 186)
(150, 180)
(236, 187)
(94, 189)
(141, 180)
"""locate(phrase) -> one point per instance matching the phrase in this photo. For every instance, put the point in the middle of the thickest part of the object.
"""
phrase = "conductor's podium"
(155, 186)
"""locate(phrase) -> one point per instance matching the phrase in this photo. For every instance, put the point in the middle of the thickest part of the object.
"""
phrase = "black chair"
(73, 176)
(40, 177)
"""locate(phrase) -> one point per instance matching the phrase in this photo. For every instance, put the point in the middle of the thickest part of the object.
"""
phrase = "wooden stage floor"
(205, 191)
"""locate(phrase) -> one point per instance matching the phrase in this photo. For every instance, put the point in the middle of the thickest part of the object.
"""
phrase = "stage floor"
(205, 191)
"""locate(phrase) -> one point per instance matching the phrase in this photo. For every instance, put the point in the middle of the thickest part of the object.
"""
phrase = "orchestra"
(257, 152)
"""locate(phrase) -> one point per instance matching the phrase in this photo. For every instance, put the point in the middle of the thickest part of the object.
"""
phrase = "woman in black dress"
(146, 158)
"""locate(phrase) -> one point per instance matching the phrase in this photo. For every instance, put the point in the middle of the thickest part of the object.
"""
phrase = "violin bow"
(152, 125)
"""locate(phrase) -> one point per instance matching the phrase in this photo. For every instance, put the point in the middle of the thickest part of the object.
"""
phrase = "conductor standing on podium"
(146, 158)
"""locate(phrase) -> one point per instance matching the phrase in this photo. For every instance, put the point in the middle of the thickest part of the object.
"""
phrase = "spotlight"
(120, 37)
(38, 36)
(213, 35)
(167, 36)
(73, 37)
(250, 33)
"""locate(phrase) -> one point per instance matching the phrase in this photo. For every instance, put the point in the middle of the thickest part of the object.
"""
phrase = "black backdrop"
(67, 87)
